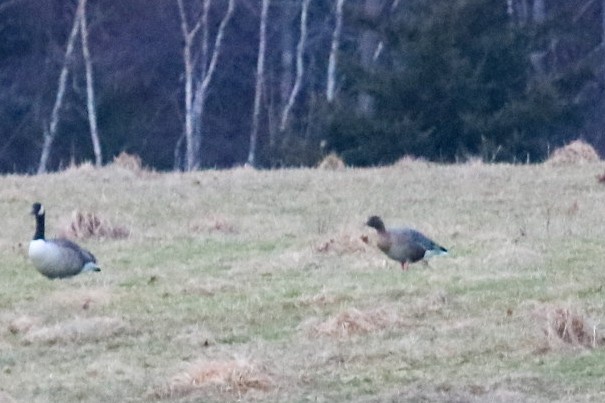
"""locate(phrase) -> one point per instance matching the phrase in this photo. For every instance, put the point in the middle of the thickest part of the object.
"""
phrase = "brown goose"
(404, 245)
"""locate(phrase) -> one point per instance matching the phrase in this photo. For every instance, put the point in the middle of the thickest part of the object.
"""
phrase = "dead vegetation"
(85, 225)
(354, 322)
(343, 243)
(214, 224)
(22, 324)
(332, 162)
(567, 327)
(410, 161)
(295, 293)
(576, 152)
(231, 377)
(80, 299)
(128, 162)
(76, 330)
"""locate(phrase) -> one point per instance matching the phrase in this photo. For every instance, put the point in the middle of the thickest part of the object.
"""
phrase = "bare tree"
(260, 74)
(286, 77)
(90, 95)
(195, 98)
(300, 68)
(333, 60)
(369, 45)
(51, 131)
(538, 12)
(188, 37)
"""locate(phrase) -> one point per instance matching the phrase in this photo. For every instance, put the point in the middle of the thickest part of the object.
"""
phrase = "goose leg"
(404, 265)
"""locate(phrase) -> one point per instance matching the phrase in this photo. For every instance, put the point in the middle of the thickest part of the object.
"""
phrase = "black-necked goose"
(57, 258)
(404, 245)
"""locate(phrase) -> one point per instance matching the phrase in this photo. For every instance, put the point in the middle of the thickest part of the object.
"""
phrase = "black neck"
(39, 227)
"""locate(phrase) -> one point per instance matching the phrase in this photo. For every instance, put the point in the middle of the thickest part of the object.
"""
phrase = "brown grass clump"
(22, 324)
(353, 321)
(76, 330)
(129, 162)
(85, 166)
(564, 327)
(86, 225)
(332, 162)
(233, 376)
(214, 224)
(343, 244)
(576, 152)
(409, 160)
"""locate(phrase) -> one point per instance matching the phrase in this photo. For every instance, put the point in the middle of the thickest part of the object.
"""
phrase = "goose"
(405, 245)
(57, 258)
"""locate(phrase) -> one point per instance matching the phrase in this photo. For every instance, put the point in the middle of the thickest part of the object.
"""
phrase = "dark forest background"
(504, 80)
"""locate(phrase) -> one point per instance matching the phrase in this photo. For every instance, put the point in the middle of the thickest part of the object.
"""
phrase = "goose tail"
(436, 251)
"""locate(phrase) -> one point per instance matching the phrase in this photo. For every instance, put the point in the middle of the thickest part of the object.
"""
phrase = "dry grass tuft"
(565, 327)
(22, 324)
(233, 376)
(80, 299)
(332, 162)
(410, 161)
(86, 225)
(93, 329)
(321, 299)
(214, 224)
(129, 162)
(576, 152)
(353, 321)
(343, 243)
(206, 287)
(6, 398)
(85, 166)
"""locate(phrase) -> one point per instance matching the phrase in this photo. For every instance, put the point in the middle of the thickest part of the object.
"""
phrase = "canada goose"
(404, 245)
(57, 258)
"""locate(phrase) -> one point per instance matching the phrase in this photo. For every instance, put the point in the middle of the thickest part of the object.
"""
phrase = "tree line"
(190, 84)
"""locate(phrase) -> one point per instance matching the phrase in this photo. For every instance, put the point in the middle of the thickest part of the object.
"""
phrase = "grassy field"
(256, 286)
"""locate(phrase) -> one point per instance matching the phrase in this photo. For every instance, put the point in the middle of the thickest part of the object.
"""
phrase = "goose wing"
(406, 246)
(423, 241)
(71, 246)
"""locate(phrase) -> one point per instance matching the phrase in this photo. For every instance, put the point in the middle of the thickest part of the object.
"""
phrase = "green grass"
(264, 268)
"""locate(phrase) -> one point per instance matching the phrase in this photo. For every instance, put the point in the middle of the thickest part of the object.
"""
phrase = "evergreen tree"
(455, 81)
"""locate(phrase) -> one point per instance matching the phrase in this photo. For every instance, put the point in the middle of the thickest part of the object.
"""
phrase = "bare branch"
(217, 46)
(333, 60)
(300, 48)
(51, 132)
(90, 94)
(260, 74)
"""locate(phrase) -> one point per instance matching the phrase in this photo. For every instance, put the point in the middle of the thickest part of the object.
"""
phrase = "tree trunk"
(260, 74)
(538, 12)
(286, 77)
(90, 95)
(51, 132)
(300, 49)
(333, 59)
(201, 89)
(188, 36)
(368, 44)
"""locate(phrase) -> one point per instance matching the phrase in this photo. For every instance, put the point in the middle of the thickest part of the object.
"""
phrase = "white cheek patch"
(41, 211)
